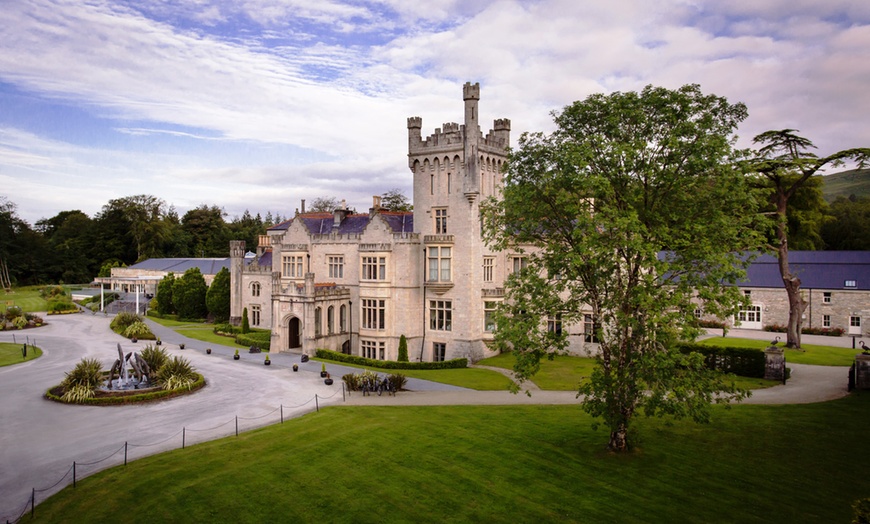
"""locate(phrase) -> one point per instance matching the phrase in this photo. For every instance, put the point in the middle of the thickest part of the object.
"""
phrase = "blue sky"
(257, 104)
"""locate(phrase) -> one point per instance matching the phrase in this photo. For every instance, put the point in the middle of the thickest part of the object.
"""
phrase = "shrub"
(12, 312)
(59, 305)
(862, 511)
(745, 362)
(123, 320)
(88, 373)
(397, 381)
(155, 357)
(49, 292)
(390, 364)
(226, 329)
(246, 326)
(716, 324)
(261, 339)
(176, 373)
(20, 322)
(403, 349)
(139, 330)
(832, 332)
(371, 380)
(77, 393)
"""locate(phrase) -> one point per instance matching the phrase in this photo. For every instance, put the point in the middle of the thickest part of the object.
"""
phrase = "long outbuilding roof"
(207, 266)
(816, 269)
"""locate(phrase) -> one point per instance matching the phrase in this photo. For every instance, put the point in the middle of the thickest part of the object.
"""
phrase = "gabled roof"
(816, 269)
(207, 266)
(322, 223)
(266, 259)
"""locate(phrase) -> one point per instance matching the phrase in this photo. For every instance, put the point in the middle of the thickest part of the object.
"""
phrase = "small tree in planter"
(236, 355)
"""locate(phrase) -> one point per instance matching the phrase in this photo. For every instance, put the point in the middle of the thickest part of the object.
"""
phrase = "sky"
(257, 104)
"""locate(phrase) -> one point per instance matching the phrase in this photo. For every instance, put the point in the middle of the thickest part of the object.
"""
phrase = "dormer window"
(851, 283)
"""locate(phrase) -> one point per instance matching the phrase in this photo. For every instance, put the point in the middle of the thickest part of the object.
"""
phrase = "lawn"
(197, 331)
(794, 463)
(809, 353)
(27, 298)
(565, 373)
(11, 353)
(479, 379)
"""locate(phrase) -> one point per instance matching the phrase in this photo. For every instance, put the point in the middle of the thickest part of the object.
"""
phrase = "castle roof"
(207, 266)
(816, 269)
(322, 223)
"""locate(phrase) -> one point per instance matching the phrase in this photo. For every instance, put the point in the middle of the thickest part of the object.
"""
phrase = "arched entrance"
(294, 334)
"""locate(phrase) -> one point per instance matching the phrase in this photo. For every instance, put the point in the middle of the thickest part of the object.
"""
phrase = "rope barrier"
(56, 483)
(211, 429)
(102, 459)
(156, 443)
(261, 416)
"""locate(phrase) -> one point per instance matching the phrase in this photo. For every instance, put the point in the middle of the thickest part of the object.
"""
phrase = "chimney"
(339, 215)
(376, 205)
(303, 206)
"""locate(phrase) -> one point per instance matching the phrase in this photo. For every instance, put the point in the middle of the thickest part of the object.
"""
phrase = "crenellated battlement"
(471, 91)
(415, 122)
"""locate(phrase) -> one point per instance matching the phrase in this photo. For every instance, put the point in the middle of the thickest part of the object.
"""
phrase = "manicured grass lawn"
(479, 379)
(811, 354)
(565, 373)
(11, 353)
(27, 298)
(197, 331)
(800, 463)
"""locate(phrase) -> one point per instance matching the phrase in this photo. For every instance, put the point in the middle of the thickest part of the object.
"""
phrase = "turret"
(471, 95)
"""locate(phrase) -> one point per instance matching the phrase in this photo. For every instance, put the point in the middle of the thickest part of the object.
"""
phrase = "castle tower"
(237, 264)
(454, 169)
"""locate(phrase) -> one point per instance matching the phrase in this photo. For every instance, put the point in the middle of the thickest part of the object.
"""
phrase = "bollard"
(74, 474)
(183, 435)
(125, 453)
(316, 403)
(282, 413)
(237, 425)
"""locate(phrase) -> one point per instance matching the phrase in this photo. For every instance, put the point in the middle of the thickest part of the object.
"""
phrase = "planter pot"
(181, 346)
(267, 362)
(295, 367)
(304, 358)
(328, 382)
(134, 339)
(323, 374)
(208, 351)
(236, 357)
(158, 343)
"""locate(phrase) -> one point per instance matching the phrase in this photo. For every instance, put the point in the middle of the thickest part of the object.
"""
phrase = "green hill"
(845, 183)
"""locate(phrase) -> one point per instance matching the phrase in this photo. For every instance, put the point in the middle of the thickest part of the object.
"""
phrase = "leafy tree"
(165, 304)
(106, 268)
(22, 250)
(403, 349)
(395, 200)
(217, 298)
(630, 212)
(144, 213)
(69, 241)
(322, 205)
(188, 295)
(785, 164)
(207, 231)
(850, 228)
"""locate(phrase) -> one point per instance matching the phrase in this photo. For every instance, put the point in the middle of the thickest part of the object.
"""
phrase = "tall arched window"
(317, 326)
(342, 319)
(255, 289)
(330, 320)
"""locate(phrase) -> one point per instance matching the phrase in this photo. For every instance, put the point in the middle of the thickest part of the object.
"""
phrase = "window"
(293, 266)
(448, 182)
(855, 322)
(255, 315)
(431, 184)
(374, 268)
(336, 267)
(342, 319)
(441, 315)
(439, 351)
(440, 214)
(330, 320)
(851, 283)
(489, 307)
(590, 327)
(373, 349)
(826, 297)
(317, 327)
(752, 314)
(488, 264)
(826, 321)
(747, 293)
(554, 324)
(255, 289)
(519, 263)
(373, 313)
(439, 264)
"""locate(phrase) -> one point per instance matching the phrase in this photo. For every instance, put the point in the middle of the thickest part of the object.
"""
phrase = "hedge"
(326, 354)
(745, 362)
(826, 331)
(261, 339)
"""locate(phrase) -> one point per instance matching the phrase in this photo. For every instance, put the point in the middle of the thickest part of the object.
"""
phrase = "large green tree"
(850, 228)
(207, 231)
(165, 303)
(785, 164)
(188, 295)
(217, 298)
(631, 212)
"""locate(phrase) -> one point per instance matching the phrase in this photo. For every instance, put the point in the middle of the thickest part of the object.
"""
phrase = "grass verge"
(810, 354)
(479, 379)
(11, 353)
(27, 298)
(498, 464)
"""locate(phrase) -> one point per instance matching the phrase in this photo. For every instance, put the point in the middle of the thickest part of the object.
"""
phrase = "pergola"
(137, 283)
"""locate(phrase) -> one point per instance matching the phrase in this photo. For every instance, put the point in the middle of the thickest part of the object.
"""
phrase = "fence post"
(32, 501)
(316, 403)
(125, 452)
(282, 413)
(183, 435)
(343, 398)
(74, 474)
(237, 425)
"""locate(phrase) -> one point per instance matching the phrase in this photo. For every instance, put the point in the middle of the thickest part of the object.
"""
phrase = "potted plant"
(181, 346)
(328, 380)
(295, 367)
(267, 362)
(159, 342)
(323, 372)
(208, 351)
(236, 355)
(134, 339)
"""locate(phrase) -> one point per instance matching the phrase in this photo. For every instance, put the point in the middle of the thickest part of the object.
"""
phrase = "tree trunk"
(792, 282)
(619, 438)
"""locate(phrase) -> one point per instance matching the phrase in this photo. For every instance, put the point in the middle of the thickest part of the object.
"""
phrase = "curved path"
(40, 439)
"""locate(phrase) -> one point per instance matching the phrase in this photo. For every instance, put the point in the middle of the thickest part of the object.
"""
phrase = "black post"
(32, 501)
(125, 453)
(74, 474)
(343, 398)
(282, 413)
(183, 435)
(237, 425)
(316, 403)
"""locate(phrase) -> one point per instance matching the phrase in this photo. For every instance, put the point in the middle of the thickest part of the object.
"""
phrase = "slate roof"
(816, 269)
(207, 266)
(322, 223)
(266, 259)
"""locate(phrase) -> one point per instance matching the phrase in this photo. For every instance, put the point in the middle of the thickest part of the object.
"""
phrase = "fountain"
(141, 372)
